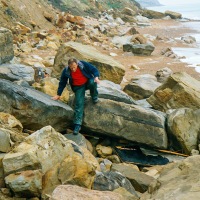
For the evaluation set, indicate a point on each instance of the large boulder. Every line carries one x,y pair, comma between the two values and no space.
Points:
112,91
69,192
42,151
139,49
15,72
139,180
178,91
142,86
173,15
184,128
6,45
108,67
109,181
178,180
34,109
126,121
26,183
152,14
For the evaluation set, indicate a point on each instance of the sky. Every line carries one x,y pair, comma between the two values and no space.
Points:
173,2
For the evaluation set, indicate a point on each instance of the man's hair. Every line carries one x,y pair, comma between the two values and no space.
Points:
72,60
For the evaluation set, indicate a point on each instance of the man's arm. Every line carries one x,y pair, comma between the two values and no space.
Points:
61,86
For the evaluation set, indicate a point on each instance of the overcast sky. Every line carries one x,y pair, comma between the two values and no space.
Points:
172,2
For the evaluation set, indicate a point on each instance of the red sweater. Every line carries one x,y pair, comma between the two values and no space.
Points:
78,78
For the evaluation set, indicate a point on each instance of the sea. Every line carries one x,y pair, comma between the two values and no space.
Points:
189,11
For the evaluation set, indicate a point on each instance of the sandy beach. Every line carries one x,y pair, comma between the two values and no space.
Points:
169,29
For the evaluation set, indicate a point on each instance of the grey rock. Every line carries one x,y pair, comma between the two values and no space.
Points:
6,45
26,183
184,128
139,180
179,91
163,74
78,139
109,181
173,15
178,180
142,87
33,108
112,91
139,49
130,122
15,72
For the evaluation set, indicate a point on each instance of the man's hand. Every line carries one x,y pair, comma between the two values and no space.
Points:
97,80
57,97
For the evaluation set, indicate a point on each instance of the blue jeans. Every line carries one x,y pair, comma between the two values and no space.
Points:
80,98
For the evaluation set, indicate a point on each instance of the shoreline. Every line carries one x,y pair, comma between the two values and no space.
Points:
170,29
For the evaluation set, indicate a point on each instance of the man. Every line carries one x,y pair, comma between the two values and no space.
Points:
82,76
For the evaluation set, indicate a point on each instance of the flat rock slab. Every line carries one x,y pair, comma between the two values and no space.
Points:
130,122
108,67
34,109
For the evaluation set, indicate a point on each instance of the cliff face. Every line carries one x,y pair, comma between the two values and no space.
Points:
92,7
148,3
41,14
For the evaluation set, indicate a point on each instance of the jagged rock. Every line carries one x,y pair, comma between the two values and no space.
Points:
5,145
49,86
52,45
33,108
184,128
130,122
79,139
119,41
26,183
103,151
105,165
139,49
142,86
141,19
179,91
151,14
22,29
15,72
41,151
10,131
138,39
163,74
112,91
25,47
188,39
10,121
173,15
178,180
129,12
139,180
109,181
69,192
108,67
6,45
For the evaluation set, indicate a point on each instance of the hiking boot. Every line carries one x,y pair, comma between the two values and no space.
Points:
77,128
95,101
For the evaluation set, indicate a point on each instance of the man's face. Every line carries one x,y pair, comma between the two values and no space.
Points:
73,66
